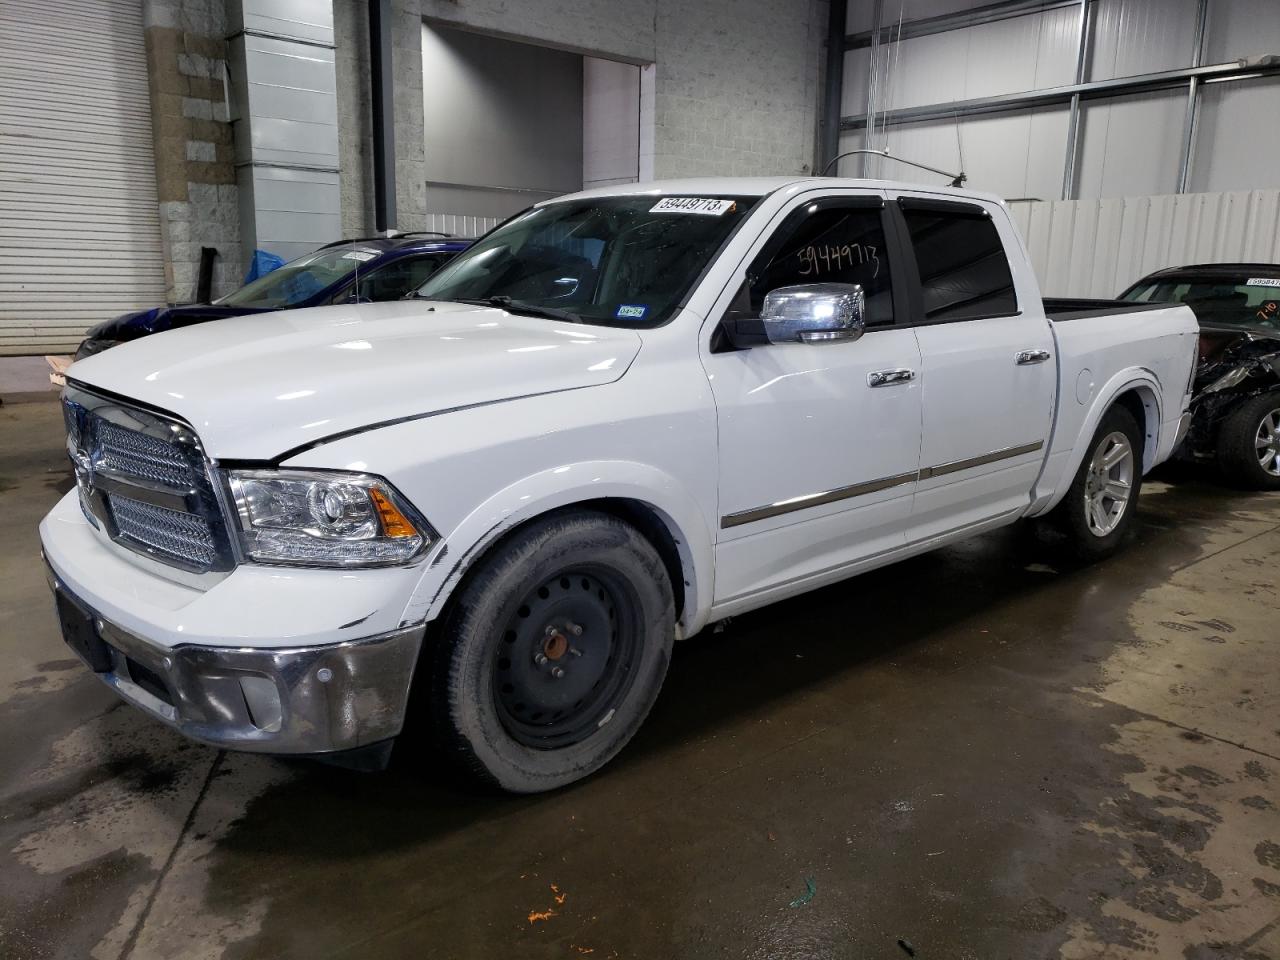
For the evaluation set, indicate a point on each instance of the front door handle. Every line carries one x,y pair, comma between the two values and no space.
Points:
883,378
1025,357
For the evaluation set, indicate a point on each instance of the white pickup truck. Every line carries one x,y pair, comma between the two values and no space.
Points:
617,418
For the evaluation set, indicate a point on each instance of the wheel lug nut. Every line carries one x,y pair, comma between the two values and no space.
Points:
557,672
540,658
575,629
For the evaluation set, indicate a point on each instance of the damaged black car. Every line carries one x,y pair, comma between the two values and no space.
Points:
1236,398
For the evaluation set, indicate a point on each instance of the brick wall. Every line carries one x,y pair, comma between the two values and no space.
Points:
195,173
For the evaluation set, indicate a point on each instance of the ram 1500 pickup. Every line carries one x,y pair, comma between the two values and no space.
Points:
617,418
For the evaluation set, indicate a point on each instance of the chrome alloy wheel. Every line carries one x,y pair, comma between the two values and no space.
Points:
1267,443
1109,484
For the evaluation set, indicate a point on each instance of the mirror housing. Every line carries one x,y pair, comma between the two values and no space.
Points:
814,313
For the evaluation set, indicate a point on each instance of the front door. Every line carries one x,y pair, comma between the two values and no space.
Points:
989,373
817,466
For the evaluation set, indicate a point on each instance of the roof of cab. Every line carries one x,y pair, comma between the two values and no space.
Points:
761,186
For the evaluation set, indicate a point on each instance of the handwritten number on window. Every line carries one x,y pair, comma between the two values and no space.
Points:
832,257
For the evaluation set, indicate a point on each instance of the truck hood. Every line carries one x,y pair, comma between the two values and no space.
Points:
256,387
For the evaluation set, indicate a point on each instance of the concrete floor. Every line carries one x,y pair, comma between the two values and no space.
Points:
973,752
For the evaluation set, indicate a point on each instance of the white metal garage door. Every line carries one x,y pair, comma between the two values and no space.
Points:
79,228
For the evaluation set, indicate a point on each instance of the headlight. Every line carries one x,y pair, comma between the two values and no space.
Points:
325,519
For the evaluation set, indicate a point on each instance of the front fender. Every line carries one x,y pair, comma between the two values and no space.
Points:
564,486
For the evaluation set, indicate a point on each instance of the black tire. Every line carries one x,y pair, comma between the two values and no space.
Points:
1072,517
1239,456
494,652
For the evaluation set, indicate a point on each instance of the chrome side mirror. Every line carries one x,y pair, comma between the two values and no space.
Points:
814,313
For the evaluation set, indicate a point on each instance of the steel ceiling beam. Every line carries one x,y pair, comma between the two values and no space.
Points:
1092,90
927,26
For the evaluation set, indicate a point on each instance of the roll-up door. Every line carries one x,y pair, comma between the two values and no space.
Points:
79,227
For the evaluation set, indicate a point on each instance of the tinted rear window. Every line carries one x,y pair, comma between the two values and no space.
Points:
964,271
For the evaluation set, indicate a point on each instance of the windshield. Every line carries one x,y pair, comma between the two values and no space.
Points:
300,279
1250,302
619,261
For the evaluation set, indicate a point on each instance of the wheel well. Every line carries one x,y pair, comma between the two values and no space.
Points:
635,512
1141,403
654,529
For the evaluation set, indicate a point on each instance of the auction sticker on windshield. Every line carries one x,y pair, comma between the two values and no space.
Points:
702,205
364,256
1263,282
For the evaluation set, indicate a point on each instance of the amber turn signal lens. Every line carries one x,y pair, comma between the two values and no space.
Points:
394,523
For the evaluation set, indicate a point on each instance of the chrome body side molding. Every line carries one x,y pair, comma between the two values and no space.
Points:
872,486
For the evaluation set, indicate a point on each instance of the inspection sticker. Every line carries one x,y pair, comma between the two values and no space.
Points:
701,205
1263,282
631,311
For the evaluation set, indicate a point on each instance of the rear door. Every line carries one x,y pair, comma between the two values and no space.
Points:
989,375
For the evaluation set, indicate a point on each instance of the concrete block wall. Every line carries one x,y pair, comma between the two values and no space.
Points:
195,171
355,115
735,81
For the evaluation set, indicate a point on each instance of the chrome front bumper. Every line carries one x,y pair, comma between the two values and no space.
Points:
291,700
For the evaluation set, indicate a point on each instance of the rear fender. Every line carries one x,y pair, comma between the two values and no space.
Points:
1147,386
565,486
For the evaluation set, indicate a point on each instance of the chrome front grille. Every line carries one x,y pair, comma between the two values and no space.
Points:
145,482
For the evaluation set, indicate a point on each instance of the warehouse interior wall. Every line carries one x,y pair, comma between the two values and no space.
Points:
1128,145
611,93
735,82
502,123
1097,248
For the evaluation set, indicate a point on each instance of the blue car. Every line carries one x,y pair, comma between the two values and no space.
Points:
349,271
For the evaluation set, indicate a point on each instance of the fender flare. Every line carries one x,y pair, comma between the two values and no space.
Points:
564,486
1147,384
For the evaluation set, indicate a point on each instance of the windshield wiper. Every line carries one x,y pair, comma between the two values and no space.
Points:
527,309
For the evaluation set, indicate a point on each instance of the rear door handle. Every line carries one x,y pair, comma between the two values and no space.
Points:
883,378
1025,357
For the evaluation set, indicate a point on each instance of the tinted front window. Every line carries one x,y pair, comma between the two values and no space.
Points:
301,279
830,245
1217,301
624,261
964,271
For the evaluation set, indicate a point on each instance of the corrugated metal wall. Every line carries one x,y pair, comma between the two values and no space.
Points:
1096,248
1128,145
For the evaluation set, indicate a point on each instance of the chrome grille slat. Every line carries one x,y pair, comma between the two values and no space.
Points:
167,532
138,455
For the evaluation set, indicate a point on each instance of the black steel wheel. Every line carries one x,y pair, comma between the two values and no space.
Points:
552,651
566,658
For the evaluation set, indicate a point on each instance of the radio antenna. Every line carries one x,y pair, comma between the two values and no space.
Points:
957,179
